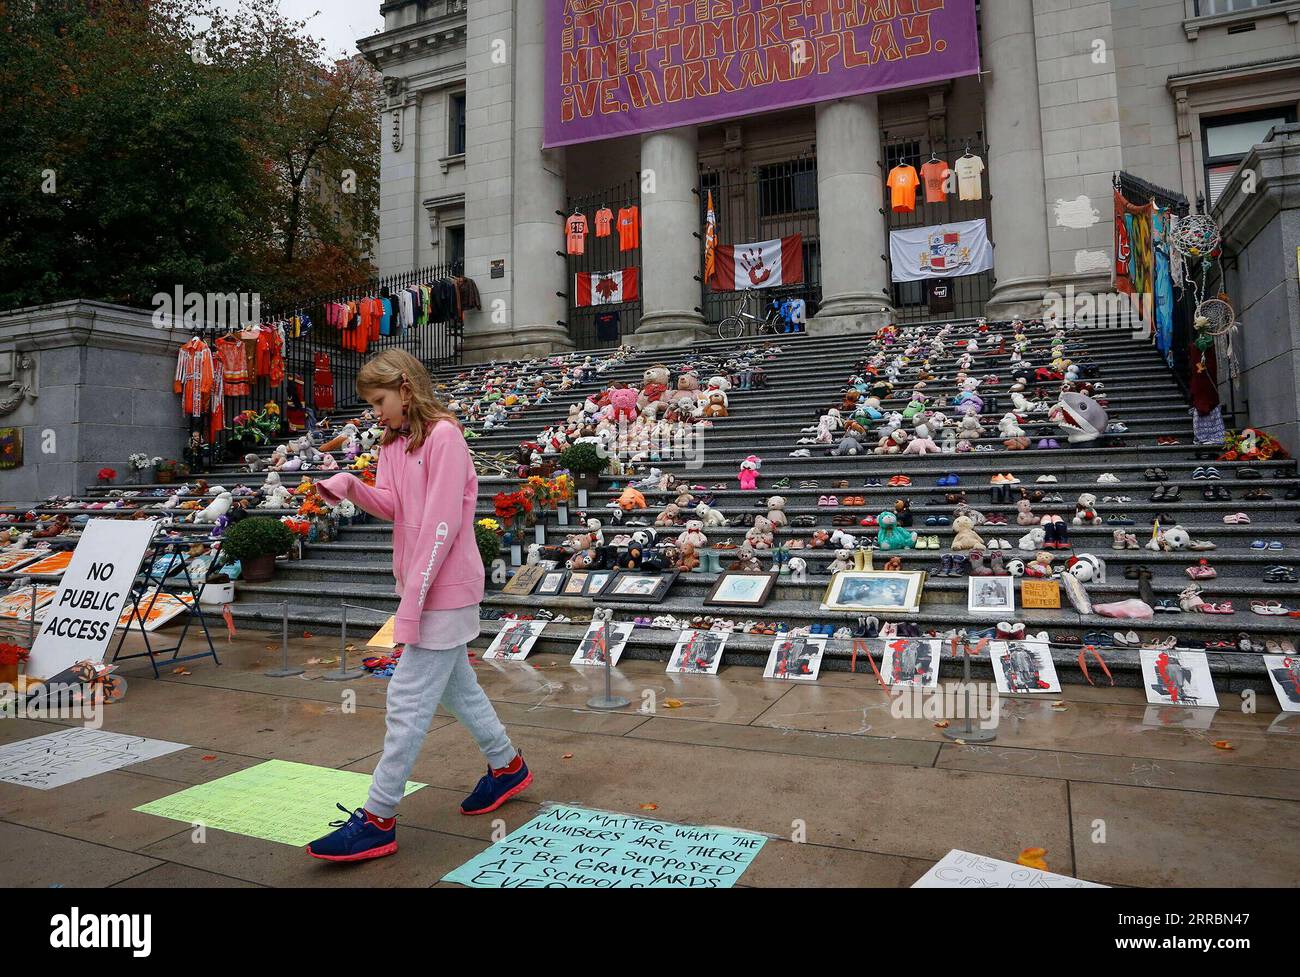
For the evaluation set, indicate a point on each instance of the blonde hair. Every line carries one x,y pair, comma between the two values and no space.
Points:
396,369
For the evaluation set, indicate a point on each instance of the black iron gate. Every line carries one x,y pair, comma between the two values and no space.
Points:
970,293
759,203
603,254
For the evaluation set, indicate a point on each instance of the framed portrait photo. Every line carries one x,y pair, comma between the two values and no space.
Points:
552,582
597,581
991,595
741,589
634,585
879,591
576,583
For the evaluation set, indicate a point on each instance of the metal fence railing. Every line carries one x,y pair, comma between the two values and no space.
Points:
603,253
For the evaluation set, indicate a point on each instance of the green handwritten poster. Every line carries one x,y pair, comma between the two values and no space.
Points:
292,803
576,848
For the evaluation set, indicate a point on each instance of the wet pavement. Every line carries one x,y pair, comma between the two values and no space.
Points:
1115,790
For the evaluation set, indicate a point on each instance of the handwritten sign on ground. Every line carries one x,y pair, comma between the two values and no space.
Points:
575,848
69,755
963,870
292,803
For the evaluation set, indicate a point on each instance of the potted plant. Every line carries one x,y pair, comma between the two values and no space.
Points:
170,470
487,534
140,463
256,542
585,462
10,657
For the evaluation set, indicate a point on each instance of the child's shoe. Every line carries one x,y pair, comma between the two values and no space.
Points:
360,837
498,786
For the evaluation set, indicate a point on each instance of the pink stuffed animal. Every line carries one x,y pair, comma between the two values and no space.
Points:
921,446
623,400
748,474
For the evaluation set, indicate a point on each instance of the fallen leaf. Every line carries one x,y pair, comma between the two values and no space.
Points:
210,756
672,703
567,756
649,807
1222,745
1033,858
306,634
959,742
181,671
941,724
1060,707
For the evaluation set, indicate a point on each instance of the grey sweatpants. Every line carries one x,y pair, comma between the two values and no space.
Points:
423,678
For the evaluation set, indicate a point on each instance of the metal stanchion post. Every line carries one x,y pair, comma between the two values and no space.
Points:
31,621
968,733
608,700
343,673
285,671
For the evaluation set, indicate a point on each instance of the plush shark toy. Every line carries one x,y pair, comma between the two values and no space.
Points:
1080,418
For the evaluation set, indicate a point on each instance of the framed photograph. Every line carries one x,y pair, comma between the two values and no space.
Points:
991,595
552,583
603,639
1023,666
796,659
879,591
514,641
698,652
633,585
741,589
576,583
524,580
597,581
908,661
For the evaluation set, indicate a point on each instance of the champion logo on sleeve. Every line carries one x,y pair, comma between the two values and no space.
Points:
440,537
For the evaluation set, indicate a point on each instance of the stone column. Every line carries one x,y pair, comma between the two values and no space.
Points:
1015,160
670,218
538,193
851,229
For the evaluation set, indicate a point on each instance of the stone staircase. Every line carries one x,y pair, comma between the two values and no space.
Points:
807,376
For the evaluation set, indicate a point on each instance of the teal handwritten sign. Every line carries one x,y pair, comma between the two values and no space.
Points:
577,848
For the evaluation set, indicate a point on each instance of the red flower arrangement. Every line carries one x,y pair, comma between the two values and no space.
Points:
12,655
107,474
299,527
1251,445
511,506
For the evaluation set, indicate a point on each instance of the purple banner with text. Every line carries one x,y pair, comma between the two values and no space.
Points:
618,67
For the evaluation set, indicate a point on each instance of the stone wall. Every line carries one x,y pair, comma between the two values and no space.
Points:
101,376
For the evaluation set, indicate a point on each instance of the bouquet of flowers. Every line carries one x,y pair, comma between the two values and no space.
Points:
142,462
299,527
487,534
1251,444
106,475
257,427
513,507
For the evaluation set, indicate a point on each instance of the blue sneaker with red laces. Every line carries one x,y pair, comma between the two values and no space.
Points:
360,837
498,786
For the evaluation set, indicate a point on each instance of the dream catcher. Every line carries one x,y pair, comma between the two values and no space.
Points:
1196,239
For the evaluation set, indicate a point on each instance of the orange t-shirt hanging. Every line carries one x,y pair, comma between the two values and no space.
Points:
629,228
604,219
935,174
902,183
575,228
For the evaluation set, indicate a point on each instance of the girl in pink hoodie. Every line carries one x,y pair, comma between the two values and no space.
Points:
426,486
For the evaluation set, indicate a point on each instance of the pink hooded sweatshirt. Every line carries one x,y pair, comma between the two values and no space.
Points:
429,496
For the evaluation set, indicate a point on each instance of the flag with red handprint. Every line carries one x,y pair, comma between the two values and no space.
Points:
764,264
605,287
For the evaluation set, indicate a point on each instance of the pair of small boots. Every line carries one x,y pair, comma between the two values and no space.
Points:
1056,534
709,561
862,559
987,566
953,565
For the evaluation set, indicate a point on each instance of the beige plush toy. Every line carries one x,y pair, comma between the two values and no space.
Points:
776,511
965,537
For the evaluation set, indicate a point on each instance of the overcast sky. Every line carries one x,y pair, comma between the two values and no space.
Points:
341,23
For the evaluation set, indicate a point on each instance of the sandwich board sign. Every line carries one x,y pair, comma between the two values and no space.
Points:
83,615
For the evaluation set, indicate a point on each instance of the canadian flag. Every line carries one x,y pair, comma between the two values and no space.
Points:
761,265
605,287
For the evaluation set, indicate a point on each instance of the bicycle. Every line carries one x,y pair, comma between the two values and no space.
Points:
743,320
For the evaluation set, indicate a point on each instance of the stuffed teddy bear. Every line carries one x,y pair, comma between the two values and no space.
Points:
748,474
1040,565
623,400
776,511
716,406
1009,426
709,516
693,534
671,515
760,535
820,538
654,385
892,443
843,540
1032,540
964,535
1025,514
1087,568
848,446
890,536
1084,512
843,561
969,429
